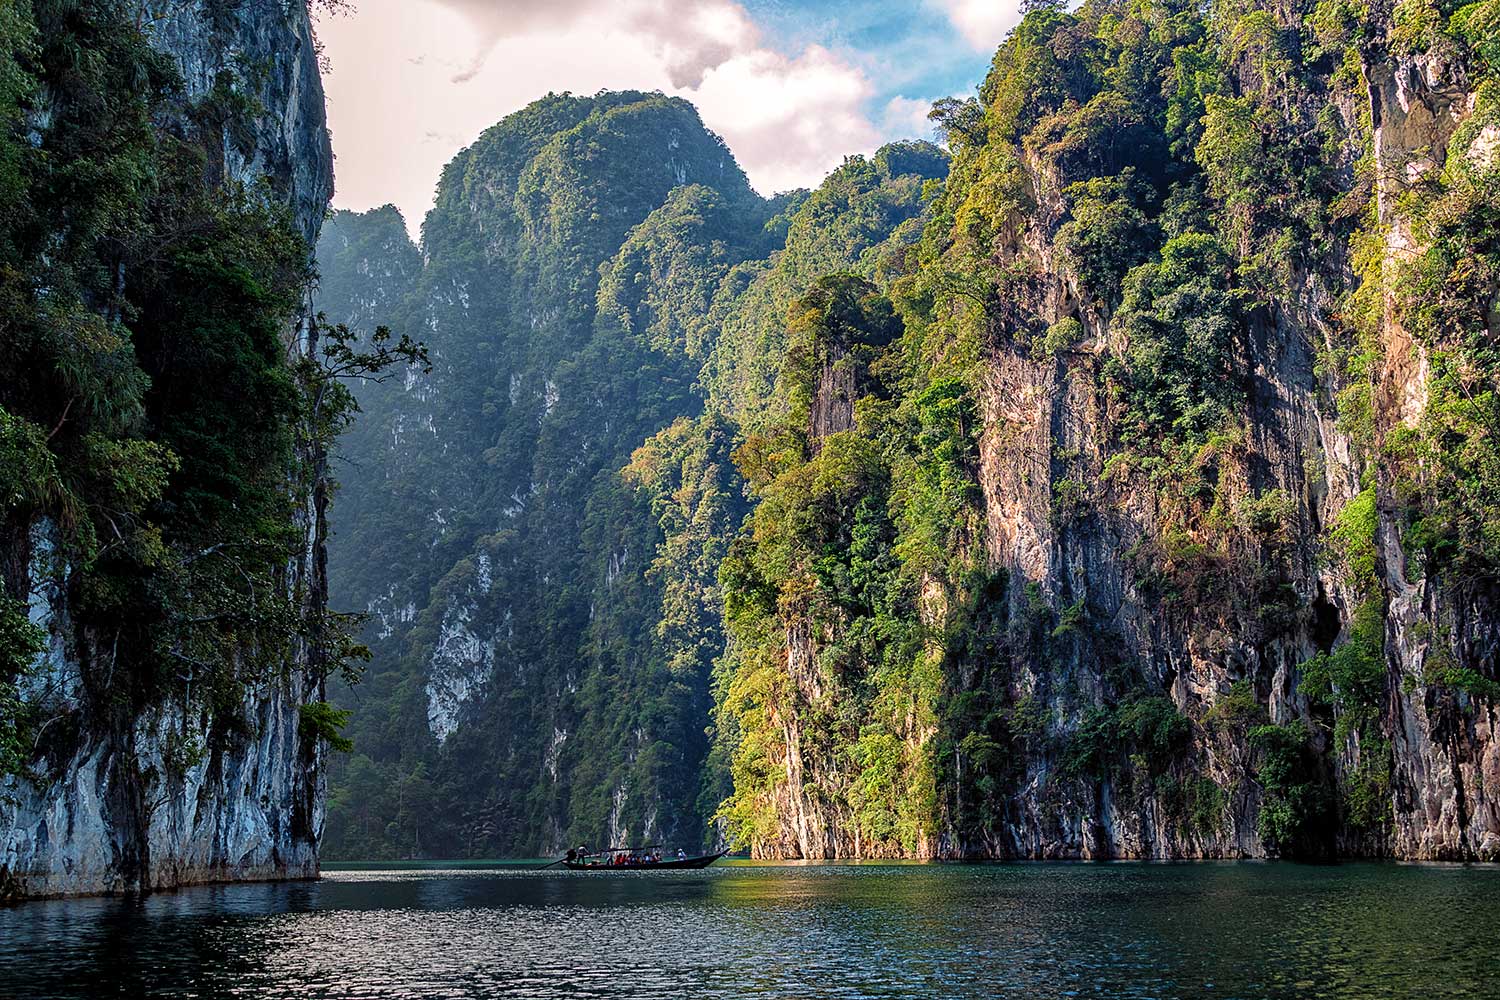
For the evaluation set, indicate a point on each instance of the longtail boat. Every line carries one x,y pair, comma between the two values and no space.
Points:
629,859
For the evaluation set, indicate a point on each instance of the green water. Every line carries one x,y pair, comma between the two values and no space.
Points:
741,929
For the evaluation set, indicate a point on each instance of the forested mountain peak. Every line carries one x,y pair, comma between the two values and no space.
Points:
579,266
548,162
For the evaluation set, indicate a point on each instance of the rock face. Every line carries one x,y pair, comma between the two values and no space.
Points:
288,145
1447,758
125,812
1317,680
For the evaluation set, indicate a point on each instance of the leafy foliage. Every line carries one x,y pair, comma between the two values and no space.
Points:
1295,815
1179,317
20,641
1352,677
319,720
159,434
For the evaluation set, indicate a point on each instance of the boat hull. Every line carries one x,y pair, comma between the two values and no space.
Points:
672,864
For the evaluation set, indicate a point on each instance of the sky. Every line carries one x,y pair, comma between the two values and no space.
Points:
792,87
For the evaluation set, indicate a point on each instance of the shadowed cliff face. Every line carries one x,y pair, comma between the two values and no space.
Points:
286,145
182,788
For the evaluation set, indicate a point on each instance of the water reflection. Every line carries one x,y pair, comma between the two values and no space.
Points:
739,930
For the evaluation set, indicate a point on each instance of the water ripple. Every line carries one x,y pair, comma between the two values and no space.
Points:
1353,932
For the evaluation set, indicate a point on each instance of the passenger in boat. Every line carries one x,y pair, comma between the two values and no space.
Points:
681,854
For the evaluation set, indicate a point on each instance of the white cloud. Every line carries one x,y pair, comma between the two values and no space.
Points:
907,116
690,37
983,23
413,81
787,120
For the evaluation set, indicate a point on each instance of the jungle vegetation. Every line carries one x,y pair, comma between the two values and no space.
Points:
692,458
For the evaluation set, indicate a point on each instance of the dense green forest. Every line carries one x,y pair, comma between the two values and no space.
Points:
148,421
524,615
1124,486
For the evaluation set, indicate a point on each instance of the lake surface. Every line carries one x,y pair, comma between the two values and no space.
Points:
743,929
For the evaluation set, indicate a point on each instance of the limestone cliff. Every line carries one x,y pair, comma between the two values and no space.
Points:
1135,639
219,780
